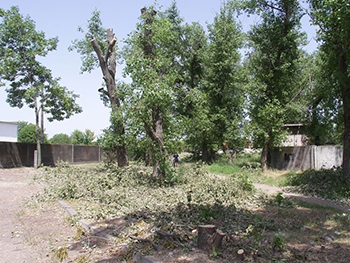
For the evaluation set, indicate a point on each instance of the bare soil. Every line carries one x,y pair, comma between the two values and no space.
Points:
30,231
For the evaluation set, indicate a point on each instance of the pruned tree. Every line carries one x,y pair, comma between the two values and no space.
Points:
98,49
149,60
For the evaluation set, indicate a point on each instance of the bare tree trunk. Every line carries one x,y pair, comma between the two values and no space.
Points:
156,133
42,137
108,66
209,237
343,68
205,154
264,155
37,132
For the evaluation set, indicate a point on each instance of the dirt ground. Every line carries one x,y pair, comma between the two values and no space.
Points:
29,232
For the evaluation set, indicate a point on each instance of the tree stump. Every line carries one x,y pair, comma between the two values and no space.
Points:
240,254
209,237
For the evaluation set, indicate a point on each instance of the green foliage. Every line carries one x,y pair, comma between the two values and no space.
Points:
278,242
95,30
83,138
61,138
274,65
242,162
20,43
27,134
108,189
334,36
149,58
226,169
326,183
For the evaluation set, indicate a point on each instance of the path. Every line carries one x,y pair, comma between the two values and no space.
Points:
273,190
14,187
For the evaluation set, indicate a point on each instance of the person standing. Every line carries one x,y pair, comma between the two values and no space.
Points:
176,160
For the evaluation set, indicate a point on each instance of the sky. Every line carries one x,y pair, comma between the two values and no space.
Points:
62,19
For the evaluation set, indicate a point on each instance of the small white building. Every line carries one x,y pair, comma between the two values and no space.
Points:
8,131
296,135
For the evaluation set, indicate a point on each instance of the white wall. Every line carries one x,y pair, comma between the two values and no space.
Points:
8,131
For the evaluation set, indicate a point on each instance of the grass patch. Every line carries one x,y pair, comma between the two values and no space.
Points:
224,169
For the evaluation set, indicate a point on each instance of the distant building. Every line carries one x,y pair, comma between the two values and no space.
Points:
8,131
296,137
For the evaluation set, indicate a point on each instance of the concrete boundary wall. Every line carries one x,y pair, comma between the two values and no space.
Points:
22,154
307,157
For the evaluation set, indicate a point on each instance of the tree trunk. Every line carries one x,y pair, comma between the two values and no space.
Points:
264,155
205,154
37,133
42,137
156,133
343,68
108,66
209,237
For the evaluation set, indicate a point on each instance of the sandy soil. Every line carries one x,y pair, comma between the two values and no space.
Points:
29,232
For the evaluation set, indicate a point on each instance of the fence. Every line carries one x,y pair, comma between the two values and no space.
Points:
22,154
306,157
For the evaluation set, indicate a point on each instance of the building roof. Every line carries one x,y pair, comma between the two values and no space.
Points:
10,122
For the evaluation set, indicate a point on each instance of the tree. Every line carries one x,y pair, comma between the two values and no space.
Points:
97,52
274,69
61,138
149,62
28,80
224,81
323,115
27,133
332,18
83,138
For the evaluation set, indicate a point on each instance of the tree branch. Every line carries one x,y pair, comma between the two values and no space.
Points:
99,54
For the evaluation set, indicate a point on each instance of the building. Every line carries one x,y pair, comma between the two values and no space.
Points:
296,137
8,131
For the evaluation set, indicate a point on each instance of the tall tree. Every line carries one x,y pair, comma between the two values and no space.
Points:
274,63
332,18
190,103
98,49
149,60
224,81
28,80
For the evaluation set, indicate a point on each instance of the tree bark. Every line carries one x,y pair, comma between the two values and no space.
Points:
345,86
264,155
37,133
205,154
108,68
209,237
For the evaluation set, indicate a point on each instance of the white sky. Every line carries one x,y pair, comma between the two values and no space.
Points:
62,18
